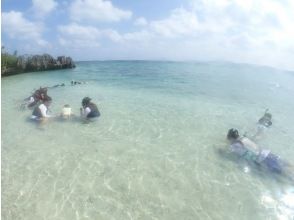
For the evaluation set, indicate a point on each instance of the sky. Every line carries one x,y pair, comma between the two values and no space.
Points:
244,31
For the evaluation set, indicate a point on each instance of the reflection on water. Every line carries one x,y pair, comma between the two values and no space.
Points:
282,205
158,149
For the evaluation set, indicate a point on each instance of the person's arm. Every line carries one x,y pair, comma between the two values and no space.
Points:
251,145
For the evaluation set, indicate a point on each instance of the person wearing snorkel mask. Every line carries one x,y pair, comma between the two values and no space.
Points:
266,119
264,123
250,151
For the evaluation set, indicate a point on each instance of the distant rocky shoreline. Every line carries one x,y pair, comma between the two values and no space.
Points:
33,63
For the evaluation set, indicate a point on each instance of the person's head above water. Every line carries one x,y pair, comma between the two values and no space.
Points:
86,101
233,134
42,90
47,101
266,119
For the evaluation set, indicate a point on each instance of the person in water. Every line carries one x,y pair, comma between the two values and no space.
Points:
89,109
266,119
250,151
40,112
57,85
75,83
263,124
66,112
38,96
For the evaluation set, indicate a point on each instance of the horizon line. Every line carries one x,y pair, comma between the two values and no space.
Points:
186,61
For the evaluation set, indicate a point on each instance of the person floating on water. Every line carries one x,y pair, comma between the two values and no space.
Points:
75,82
89,109
263,124
40,112
57,85
250,151
266,119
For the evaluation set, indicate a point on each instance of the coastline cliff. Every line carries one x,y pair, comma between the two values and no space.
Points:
12,64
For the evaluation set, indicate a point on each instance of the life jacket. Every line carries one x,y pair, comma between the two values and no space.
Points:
94,111
37,111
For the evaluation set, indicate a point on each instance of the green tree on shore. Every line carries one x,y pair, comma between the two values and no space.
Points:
8,60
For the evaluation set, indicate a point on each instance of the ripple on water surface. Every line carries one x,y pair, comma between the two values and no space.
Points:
155,151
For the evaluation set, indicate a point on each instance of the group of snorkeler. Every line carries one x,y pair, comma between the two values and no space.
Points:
242,146
40,102
72,83
251,152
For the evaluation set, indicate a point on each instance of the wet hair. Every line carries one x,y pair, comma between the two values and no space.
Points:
47,99
233,134
43,90
86,101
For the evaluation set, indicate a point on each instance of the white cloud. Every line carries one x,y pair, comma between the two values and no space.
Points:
139,36
254,31
262,19
79,32
77,36
43,7
97,11
140,22
81,36
17,27
180,22
112,35
259,22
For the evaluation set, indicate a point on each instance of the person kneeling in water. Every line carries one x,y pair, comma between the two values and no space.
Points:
250,151
40,112
89,109
66,112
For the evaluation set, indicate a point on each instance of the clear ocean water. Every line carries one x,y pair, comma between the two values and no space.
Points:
156,150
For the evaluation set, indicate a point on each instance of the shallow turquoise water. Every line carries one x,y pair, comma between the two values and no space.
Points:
153,153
